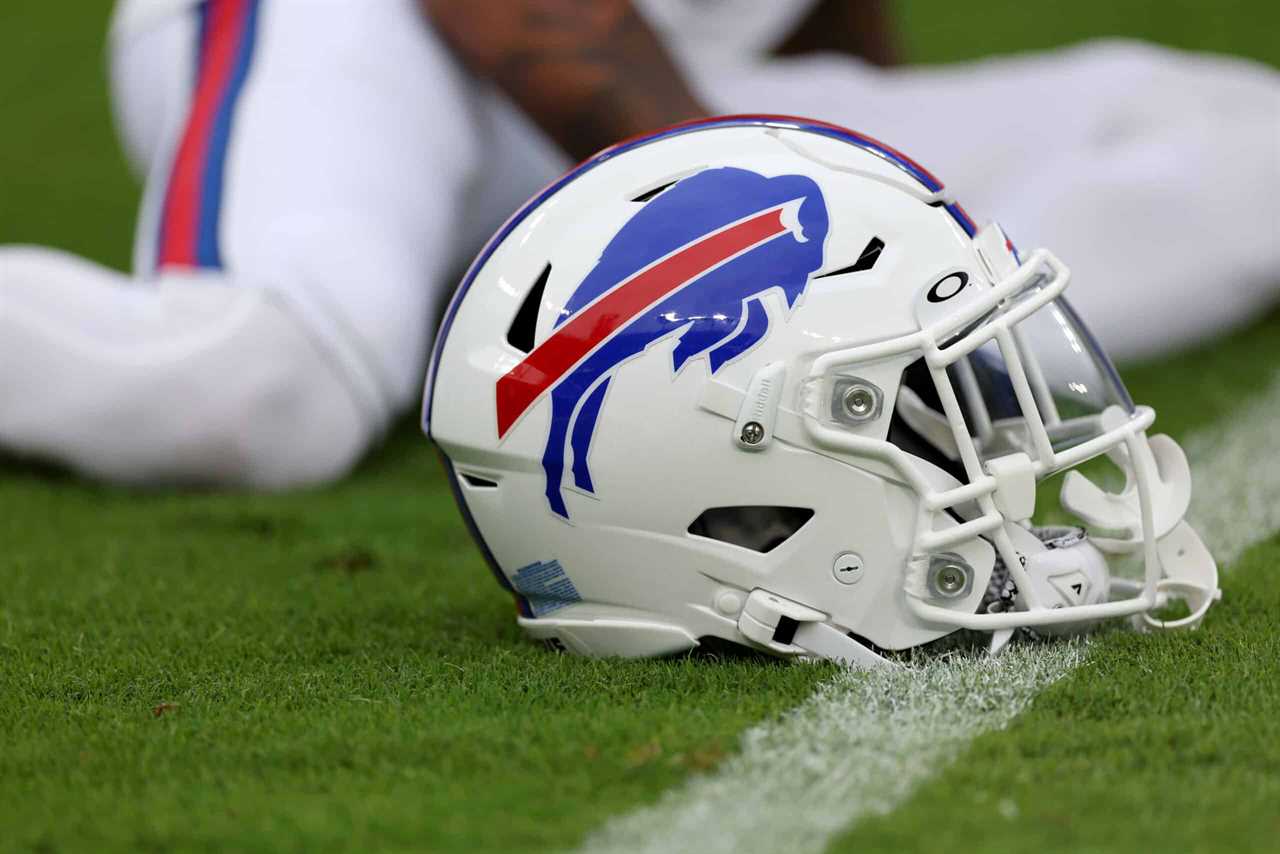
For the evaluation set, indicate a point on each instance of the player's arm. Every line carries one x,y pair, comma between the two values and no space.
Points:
588,72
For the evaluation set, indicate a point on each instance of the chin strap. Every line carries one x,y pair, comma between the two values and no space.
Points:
1191,576
1189,572
789,628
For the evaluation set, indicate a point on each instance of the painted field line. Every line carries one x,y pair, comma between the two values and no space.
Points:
858,746
864,741
1235,498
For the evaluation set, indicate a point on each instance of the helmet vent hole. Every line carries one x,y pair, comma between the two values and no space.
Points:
649,194
477,482
870,255
761,529
525,324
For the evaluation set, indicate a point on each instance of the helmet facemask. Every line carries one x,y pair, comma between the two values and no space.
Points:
1004,391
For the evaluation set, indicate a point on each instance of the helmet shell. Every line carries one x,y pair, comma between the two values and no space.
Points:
584,454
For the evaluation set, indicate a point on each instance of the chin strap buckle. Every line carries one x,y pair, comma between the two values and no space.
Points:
789,628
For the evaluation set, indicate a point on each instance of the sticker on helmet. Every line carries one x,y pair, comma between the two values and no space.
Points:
692,264
545,587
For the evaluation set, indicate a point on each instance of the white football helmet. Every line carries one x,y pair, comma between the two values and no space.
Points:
759,379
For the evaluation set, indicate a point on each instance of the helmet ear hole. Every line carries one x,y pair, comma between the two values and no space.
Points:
525,324
761,529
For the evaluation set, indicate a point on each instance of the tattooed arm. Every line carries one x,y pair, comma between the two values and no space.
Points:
588,72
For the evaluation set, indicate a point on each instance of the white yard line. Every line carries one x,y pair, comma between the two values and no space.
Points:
1235,501
858,746
864,741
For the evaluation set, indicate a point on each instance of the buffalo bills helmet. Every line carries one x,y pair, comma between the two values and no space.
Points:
760,379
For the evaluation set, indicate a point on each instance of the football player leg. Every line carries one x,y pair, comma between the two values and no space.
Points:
188,379
296,225
1153,172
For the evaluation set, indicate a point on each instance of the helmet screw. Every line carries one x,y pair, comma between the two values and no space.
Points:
752,433
949,577
859,401
847,568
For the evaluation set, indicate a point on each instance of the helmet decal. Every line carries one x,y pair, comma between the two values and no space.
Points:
693,264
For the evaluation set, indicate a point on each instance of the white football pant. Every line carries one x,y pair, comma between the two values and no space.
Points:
308,168
1153,173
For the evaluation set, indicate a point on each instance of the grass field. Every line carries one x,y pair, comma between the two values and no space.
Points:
335,670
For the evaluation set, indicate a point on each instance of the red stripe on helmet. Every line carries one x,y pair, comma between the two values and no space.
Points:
582,333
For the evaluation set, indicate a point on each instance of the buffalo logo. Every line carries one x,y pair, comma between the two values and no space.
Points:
692,264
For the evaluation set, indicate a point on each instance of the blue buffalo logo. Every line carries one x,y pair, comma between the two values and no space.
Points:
692,264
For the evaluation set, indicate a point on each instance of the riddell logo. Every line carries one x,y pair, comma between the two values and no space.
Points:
760,406
692,264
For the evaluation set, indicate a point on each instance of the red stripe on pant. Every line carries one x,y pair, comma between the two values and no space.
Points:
223,34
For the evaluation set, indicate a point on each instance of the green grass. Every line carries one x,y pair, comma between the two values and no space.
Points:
1168,742
63,179
334,669
315,671
943,31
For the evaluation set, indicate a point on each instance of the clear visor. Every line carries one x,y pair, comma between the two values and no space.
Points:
1072,382
1071,378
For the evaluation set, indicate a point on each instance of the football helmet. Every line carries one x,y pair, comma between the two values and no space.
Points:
759,378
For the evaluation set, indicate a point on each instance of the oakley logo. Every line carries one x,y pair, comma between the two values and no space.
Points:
948,286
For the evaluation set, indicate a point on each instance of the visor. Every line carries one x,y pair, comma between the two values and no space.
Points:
1074,384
